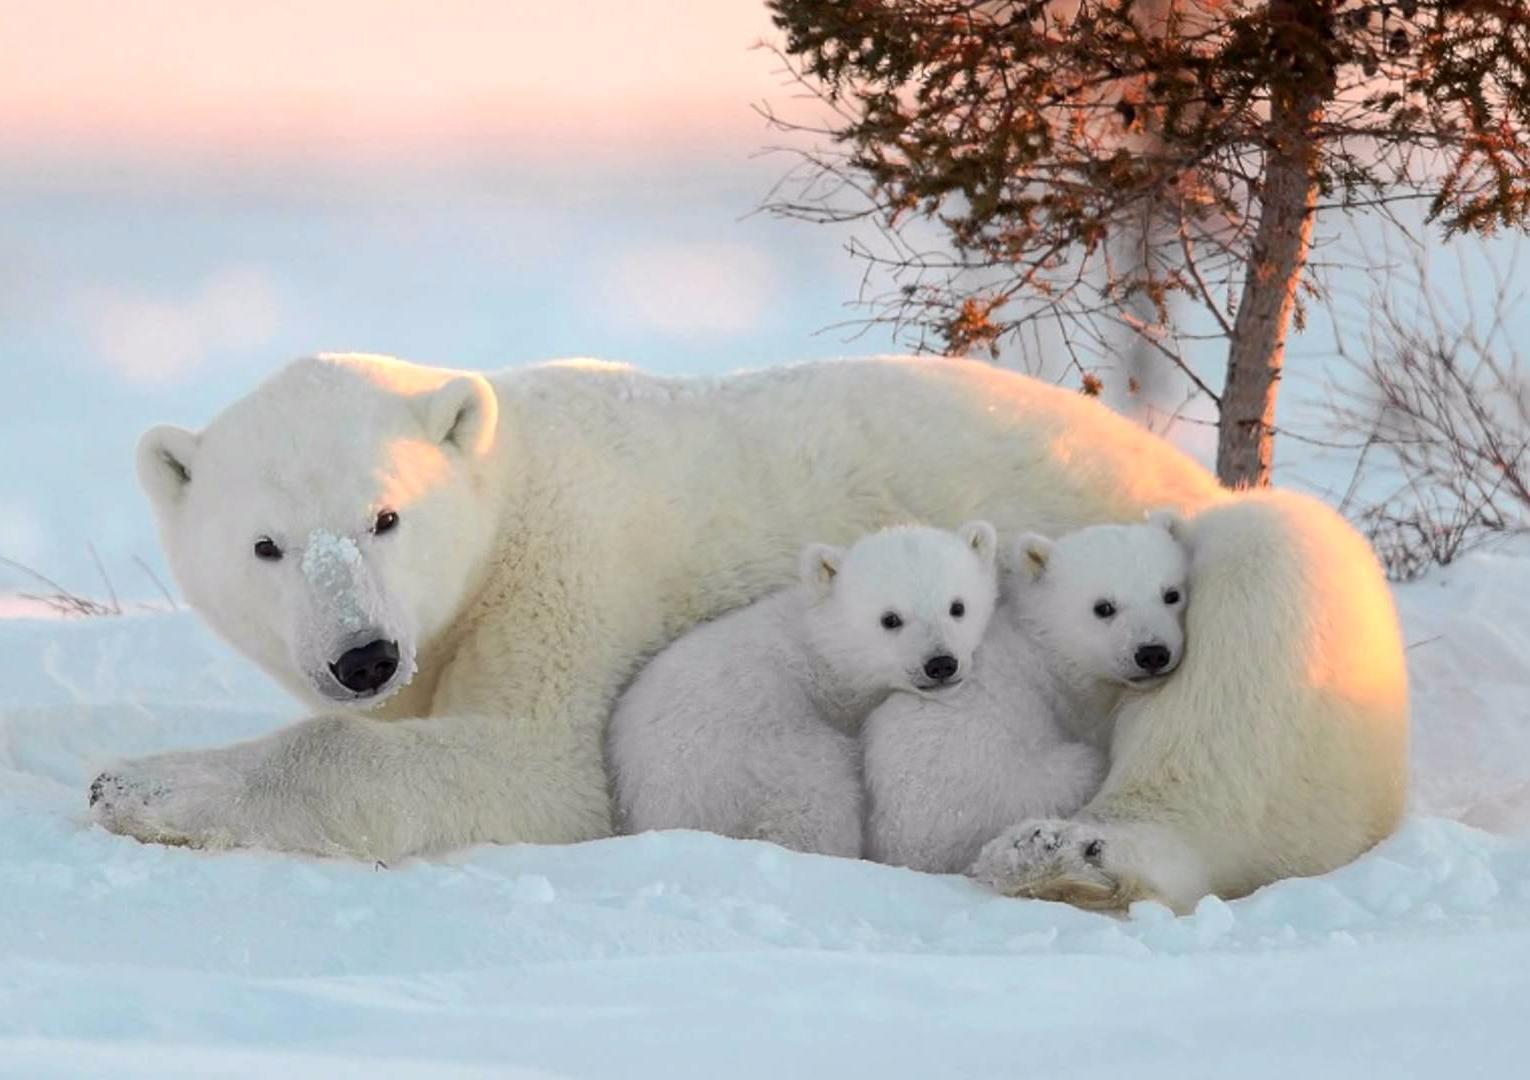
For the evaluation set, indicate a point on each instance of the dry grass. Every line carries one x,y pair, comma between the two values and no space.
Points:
1443,408
66,602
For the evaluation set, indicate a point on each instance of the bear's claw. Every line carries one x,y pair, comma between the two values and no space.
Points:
1049,860
110,789
168,799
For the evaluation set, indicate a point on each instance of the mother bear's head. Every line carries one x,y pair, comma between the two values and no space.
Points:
333,522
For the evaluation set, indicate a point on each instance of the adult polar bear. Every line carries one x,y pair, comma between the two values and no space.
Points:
556,525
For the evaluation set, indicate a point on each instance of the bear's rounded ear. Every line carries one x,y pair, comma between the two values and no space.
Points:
462,414
1032,551
981,538
820,566
166,458
1172,522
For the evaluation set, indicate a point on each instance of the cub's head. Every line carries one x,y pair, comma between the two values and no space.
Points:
903,608
334,521
1109,600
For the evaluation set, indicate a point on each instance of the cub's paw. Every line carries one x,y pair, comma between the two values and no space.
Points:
1051,860
168,799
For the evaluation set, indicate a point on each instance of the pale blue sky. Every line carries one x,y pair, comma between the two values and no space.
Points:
168,235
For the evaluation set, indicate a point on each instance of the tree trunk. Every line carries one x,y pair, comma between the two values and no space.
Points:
1287,204
1143,384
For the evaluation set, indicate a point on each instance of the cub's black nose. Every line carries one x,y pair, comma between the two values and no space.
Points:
1152,658
940,668
368,667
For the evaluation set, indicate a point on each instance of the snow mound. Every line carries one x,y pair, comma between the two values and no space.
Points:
1468,630
686,954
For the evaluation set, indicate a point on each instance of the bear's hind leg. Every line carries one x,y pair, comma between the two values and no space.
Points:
1092,865
1278,748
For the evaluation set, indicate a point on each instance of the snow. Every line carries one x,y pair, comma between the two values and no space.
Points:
688,955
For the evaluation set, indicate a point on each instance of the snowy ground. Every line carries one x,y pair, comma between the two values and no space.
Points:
688,955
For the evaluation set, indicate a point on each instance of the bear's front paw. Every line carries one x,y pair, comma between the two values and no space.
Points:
1050,860
113,789
169,799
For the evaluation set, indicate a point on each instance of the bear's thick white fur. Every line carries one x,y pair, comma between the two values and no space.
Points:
1287,719
747,725
559,524
944,775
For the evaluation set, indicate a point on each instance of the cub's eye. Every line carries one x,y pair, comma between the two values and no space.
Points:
891,620
384,523
265,548
958,609
1104,609
1171,596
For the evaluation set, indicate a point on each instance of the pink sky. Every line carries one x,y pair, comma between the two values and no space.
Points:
376,76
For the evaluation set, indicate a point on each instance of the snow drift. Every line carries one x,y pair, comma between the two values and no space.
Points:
682,954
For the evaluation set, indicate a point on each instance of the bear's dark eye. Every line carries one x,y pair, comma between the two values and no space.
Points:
1171,596
265,548
1104,609
891,620
958,609
385,522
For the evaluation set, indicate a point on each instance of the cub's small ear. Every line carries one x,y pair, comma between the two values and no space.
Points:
982,539
1032,552
820,566
166,460
1172,522
462,414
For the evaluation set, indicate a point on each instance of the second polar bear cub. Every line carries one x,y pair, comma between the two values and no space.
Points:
747,726
1083,620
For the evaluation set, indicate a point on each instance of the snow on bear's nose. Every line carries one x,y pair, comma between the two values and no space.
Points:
352,642
332,566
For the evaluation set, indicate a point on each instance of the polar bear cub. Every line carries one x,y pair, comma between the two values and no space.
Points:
747,726
1084,619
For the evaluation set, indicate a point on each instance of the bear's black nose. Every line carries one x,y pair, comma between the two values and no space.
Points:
1152,658
364,669
940,668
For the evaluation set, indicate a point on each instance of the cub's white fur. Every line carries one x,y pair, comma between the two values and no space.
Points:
746,725
945,775
558,524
